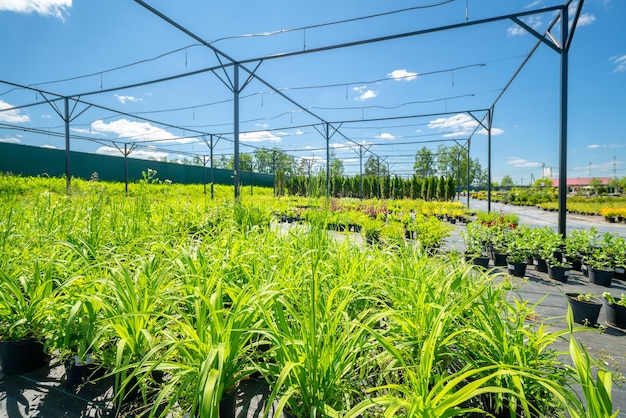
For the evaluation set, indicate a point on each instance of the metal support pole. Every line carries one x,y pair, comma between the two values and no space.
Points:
361,170
66,120
468,172
126,168
251,181
212,170
458,174
327,162
378,175
236,129
274,171
489,161
563,126
204,174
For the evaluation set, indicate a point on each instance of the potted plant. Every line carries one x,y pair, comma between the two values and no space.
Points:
393,233
498,240
600,268
577,245
512,220
615,309
547,246
72,334
23,302
474,238
617,251
558,270
518,253
371,230
585,308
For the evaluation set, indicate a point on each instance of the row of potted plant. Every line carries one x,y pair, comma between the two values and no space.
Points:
586,308
181,299
601,256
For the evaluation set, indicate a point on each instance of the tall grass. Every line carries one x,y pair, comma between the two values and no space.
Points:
167,283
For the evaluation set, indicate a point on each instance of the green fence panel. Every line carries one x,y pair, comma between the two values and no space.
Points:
35,161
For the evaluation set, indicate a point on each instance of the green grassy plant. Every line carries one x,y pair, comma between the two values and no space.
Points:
166,283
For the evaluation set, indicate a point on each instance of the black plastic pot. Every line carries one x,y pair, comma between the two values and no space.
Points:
481,262
22,356
615,314
600,277
575,262
540,264
585,313
77,373
517,269
132,392
558,273
619,273
499,259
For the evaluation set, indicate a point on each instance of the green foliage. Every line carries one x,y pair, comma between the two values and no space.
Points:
210,293
23,300
597,393
621,301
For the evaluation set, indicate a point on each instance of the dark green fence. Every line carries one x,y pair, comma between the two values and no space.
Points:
35,161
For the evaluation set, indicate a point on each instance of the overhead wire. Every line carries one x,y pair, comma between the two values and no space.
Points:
261,34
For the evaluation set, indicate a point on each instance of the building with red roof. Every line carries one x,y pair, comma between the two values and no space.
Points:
581,182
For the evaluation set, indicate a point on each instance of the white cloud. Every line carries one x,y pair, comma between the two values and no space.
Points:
296,132
11,116
49,146
124,99
585,19
46,116
258,136
87,131
596,146
620,63
534,22
368,94
521,163
10,140
56,8
402,75
385,135
533,4
364,94
139,131
494,131
460,125
141,154
263,125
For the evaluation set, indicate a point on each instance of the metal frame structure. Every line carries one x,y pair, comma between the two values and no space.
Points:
233,82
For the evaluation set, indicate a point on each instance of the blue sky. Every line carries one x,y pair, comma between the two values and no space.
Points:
442,74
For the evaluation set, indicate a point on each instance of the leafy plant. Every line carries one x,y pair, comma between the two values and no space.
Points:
621,301
585,297
474,236
371,230
597,393
23,301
